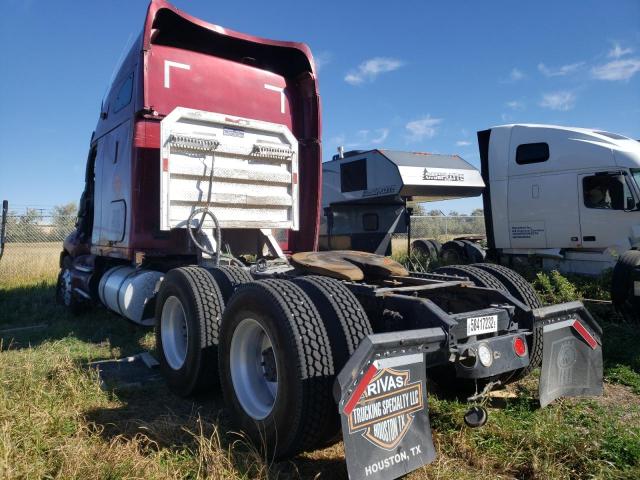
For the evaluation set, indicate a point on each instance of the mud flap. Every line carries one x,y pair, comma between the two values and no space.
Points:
572,354
382,399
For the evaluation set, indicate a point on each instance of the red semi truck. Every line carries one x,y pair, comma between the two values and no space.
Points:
200,217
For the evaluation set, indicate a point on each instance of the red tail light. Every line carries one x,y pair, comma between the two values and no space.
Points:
519,346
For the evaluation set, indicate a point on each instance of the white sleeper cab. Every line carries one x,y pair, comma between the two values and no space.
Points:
567,196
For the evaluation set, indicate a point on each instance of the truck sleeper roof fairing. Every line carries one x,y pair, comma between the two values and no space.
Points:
570,148
181,61
370,176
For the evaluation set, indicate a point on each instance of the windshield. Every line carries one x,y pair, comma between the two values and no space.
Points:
635,173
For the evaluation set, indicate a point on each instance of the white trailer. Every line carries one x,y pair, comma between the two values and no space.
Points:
569,197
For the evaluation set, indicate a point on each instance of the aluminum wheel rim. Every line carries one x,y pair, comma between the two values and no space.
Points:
252,379
66,287
174,333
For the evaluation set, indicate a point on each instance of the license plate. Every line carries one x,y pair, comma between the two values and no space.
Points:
480,325
636,289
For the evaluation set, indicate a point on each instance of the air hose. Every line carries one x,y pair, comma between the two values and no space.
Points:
207,211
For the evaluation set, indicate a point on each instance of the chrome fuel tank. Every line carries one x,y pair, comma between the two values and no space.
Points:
127,291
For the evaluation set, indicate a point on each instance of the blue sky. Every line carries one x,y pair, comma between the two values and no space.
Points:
412,75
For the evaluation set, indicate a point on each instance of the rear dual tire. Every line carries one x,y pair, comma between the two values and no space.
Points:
275,350
626,303
282,397
312,324
346,324
465,252
478,276
189,308
522,290
229,278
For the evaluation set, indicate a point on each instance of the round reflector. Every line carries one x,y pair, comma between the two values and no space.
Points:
519,346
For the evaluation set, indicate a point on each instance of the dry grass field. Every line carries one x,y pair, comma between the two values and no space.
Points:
57,422
29,262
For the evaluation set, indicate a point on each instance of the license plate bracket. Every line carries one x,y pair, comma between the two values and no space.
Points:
481,325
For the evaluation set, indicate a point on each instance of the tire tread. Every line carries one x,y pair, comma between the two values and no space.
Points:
352,317
209,304
314,361
229,278
205,298
621,286
478,276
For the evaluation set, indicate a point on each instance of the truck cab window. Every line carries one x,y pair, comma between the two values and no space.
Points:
606,192
532,153
124,94
85,209
635,173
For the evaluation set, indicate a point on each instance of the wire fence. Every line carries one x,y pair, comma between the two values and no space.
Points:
34,240
441,228
33,246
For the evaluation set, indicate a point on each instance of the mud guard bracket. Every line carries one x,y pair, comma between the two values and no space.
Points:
382,399
572,355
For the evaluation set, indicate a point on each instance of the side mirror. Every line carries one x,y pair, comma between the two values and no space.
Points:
631,203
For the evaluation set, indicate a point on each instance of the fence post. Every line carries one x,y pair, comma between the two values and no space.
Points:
408,212
3,226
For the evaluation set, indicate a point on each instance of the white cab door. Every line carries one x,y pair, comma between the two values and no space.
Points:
604,223
543,211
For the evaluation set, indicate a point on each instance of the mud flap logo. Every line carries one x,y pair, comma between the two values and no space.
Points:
567,356
386,409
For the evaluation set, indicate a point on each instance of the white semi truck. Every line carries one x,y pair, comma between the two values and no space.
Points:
567,198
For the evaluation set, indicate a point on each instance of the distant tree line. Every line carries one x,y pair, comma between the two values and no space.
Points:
420,210
445,225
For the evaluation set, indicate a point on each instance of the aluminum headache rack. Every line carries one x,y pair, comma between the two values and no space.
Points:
255,170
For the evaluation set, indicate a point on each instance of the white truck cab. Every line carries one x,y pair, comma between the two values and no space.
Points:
569,196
